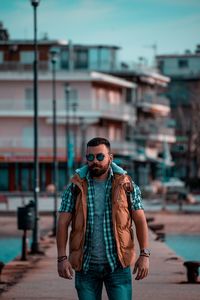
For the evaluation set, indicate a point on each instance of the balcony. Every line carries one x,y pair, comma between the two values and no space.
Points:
155,104
123,148
87,108
154,131
20,67
13,147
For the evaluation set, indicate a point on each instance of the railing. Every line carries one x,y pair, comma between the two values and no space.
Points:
104,66
27,142
154,99
153,127
99,108
12,144
21,67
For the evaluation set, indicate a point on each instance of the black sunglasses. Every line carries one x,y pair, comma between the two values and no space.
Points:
99,157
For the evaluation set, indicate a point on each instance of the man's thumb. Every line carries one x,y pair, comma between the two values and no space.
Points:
135,269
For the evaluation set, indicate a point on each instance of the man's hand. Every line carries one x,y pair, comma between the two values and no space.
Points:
65,269
141,267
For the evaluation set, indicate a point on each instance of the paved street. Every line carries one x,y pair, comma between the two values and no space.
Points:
165,281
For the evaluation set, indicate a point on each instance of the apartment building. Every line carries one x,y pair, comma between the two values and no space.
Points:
183,92
89,103
154,132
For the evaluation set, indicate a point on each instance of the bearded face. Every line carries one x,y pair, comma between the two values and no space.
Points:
97,170
99,160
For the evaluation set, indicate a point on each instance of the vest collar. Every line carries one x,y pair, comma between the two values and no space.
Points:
83,172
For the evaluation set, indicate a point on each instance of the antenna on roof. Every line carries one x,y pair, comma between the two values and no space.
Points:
154,47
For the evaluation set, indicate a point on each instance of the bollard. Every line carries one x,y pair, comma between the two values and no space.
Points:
24,246
1,268
160,236
25,221
156,227
192,270
150,219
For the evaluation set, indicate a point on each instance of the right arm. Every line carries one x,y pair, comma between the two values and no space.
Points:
64,219
64,267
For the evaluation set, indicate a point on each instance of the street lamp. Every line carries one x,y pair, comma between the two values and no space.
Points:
74,108
67,93
35,243
83,129
54,53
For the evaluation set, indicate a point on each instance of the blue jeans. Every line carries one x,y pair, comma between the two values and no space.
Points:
118,284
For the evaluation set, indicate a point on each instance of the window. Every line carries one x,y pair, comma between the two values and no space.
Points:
26,57
27,137
64,59
1,57
112,132
73,98
183,63
4,182
161,65
27,173
101,58
128,95
29,98
81,59
93,58
105,59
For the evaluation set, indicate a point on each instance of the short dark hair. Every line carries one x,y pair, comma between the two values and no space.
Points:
98,141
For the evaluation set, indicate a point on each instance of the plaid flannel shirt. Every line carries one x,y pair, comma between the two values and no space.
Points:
68,204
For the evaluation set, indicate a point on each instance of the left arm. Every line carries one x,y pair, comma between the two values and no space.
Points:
139,219
138,216
142,263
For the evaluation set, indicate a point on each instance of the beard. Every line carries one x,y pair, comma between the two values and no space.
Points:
97,171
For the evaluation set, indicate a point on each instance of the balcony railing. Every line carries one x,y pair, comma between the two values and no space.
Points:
154,130
12,145
154,102
21,67
90,108
157,128
154,99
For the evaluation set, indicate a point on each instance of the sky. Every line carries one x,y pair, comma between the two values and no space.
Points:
134,25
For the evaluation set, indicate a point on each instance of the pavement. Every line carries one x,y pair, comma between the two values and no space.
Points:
39,280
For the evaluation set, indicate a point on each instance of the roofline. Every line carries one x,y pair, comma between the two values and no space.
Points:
178,55
112,79
61,42
97,46
57,42
68,76
152,74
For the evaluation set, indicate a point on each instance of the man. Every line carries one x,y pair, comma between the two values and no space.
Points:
100,202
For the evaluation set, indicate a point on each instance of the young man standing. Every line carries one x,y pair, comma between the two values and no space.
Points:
100,202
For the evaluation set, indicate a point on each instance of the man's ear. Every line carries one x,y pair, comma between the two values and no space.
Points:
111,157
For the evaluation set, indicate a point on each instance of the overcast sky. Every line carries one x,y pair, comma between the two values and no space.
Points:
135,25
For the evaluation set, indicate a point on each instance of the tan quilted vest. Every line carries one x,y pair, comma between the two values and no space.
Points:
122,225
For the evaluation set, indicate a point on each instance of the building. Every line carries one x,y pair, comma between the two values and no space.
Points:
183,92
154,132
89,103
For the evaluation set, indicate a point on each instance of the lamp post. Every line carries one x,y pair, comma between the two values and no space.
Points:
35,243
67,92
53,53
74,107
83,128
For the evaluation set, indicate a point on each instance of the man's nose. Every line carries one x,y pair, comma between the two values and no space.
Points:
95,159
